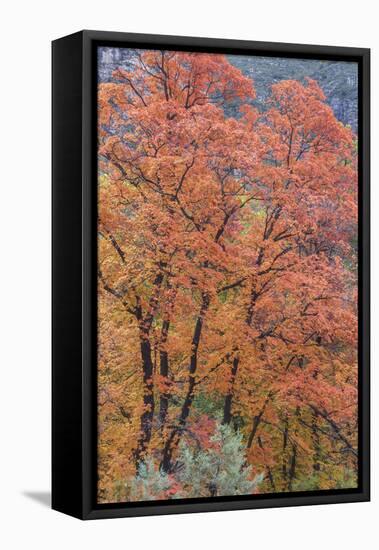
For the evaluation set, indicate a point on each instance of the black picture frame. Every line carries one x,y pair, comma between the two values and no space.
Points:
74,204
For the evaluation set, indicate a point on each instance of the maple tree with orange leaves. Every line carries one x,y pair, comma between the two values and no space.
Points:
227,282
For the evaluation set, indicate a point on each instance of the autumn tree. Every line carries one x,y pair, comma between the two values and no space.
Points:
227,273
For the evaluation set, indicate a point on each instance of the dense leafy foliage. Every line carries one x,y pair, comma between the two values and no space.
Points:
227,284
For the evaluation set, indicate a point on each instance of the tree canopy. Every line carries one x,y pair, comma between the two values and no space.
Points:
227,280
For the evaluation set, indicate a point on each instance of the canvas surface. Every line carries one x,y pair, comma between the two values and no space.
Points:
227,275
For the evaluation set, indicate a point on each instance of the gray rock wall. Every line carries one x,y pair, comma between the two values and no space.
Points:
338,80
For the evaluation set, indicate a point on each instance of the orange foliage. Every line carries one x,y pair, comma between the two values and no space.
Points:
227,272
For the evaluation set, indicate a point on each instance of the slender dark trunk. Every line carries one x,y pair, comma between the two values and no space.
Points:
293,458
146,421
316,445
227,417
292,467
145,323
257,420
250,310
284,451
336,428
164,369
229,396
271,478
268,469
176,434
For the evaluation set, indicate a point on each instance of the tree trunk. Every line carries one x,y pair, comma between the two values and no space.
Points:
292,467
229,396
316,445
293,458
257,420
176,434
146,421
227,417
284,451
268,469
164,369
145,323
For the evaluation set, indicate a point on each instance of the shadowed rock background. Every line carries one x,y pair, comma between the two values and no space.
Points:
338,79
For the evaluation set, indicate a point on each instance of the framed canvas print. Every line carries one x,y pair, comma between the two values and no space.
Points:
210,274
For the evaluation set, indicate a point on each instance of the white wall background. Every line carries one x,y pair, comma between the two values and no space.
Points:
26,31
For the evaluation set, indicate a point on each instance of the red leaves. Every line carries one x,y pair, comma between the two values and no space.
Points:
257,214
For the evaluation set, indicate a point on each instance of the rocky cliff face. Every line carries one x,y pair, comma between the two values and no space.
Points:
338,80
109,59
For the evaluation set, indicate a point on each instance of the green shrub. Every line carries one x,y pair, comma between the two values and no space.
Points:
149,484
219,470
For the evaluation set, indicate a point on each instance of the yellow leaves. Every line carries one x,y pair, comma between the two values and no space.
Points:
264,207
302,444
